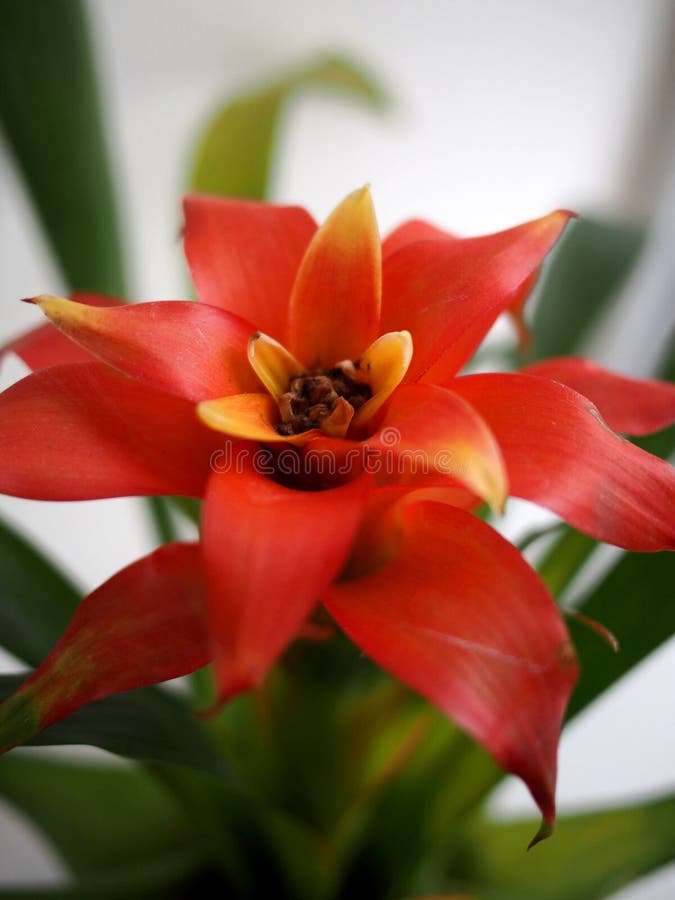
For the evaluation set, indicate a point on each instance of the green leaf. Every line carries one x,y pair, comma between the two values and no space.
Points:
591,856
96,816
50,113
416,814
234,157
592,261
36,600
565,558
189,508
169,878
635,601
160,512
146,724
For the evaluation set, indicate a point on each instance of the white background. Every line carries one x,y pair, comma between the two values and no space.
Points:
502,110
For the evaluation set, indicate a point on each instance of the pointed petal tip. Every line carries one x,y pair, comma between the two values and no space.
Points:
387,360
497,501
560,216
272,363
43,300
563,217
363,194
545,831
229,687
556,221
356,203
406,342
491,483
343,262
61,309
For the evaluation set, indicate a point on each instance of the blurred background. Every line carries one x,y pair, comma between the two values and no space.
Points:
498,112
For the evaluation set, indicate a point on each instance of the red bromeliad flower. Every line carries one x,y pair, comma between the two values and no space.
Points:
312,401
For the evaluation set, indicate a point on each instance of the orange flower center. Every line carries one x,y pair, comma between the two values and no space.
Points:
341,401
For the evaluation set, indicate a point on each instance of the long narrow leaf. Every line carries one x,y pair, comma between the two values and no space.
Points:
592,856
635,601
51,117
145,724
585,273
235,155
96,817
172,877
36,600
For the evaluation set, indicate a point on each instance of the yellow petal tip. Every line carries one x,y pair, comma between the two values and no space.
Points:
357,203
384,364
272,363
58,309
494,489
45,301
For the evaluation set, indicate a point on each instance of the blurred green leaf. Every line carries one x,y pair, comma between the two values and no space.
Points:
161,516
96,816
36,600
591,855
50,113
417,814
146,724
234,157
593,259
170,878
189,508
565,558
635,601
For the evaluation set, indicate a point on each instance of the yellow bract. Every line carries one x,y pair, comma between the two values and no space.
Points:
383,366
272,363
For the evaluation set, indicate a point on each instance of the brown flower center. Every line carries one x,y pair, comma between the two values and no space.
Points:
321,399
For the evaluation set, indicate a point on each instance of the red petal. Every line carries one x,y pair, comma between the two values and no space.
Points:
409,233
244,256
81,432
441,289
560,453
454,440
427,431
44,346
629,405
145,625
190,349
335,306
445,370
270,551
459,616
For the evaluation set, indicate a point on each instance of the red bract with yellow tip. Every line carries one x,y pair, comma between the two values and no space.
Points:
312,400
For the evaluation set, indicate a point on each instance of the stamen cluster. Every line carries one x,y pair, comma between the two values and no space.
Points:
313,398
